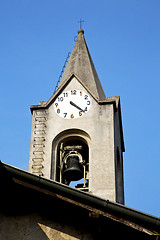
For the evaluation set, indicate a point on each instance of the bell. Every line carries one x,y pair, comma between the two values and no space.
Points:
73,171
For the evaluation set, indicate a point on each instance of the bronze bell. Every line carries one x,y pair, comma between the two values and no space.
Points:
73,170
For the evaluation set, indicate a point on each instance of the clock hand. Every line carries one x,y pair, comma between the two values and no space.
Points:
75,105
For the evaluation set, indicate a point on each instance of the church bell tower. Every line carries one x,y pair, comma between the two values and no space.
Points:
77,135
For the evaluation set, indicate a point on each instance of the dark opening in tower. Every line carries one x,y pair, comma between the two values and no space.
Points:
72,166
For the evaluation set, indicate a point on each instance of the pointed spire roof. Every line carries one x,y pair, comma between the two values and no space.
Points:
80,63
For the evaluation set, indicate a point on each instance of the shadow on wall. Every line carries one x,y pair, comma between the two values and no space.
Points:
21,227
36,227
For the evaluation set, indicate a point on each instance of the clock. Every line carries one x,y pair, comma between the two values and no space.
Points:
72,104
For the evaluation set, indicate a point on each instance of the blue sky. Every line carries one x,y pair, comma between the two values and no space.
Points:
123,37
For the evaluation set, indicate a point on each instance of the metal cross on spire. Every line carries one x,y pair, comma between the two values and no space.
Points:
80,21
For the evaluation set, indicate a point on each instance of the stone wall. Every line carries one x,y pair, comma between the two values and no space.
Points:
37,145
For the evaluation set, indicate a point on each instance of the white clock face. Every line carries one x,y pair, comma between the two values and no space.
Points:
72,104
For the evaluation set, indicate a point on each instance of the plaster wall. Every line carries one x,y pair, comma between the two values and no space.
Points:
98,123
37,227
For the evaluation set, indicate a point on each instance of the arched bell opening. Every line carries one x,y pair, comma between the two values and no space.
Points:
71,166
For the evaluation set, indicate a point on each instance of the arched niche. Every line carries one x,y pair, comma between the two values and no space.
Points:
68,137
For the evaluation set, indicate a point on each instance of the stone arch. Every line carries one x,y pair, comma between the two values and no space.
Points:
69,136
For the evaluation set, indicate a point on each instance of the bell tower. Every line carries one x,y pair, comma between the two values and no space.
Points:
77,134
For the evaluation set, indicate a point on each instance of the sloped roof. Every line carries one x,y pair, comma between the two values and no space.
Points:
20,189
80,63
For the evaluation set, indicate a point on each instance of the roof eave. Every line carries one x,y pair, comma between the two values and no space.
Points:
117,212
